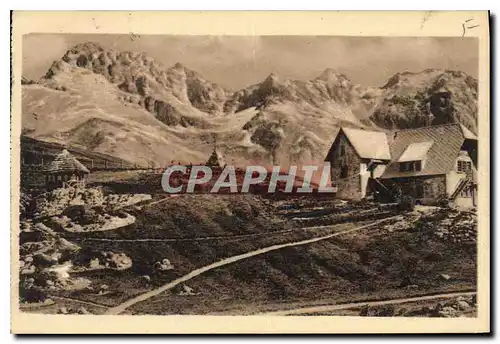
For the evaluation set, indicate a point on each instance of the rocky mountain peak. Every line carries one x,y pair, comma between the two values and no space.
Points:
271,80
331,74
178,66
429,97
87,47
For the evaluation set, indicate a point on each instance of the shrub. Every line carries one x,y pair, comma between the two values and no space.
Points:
364,311
385,311
406,203
74,211
31,295
443,202
122,214
99,210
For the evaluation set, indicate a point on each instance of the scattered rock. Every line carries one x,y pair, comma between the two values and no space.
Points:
103,289
43,260
94,263
463,305
164,265
61,271
66,246
448,312
63,310
82,310
28,271
187,291
118,261
48,301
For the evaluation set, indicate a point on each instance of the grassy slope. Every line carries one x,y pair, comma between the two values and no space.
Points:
348,268
374,263
201,215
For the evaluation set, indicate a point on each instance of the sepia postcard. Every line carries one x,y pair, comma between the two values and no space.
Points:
250,172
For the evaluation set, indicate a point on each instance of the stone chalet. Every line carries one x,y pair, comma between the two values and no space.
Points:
428,163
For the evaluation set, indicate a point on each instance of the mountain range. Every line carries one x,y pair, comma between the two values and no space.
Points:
128,105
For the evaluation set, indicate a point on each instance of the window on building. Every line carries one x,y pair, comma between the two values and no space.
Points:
344,172
410,166
342,150
464,166
418,165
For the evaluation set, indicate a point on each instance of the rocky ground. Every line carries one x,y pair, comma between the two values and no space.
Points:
462,306
47,259
444,307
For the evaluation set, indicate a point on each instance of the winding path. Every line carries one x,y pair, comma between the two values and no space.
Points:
226,261
337,307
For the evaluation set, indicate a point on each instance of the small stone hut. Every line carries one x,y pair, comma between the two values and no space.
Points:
65,170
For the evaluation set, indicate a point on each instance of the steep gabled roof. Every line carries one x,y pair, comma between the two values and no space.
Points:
467,133
65,162
368,144
440,157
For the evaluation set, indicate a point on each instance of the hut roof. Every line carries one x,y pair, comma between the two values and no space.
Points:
369,144
216,159
65,162
439,145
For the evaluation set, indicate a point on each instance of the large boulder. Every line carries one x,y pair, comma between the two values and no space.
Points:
118,261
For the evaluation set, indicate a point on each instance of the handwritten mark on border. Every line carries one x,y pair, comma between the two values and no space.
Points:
466,26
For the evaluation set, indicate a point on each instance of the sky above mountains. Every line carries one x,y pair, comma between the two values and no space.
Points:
239,61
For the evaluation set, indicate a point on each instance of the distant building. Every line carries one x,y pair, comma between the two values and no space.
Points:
65,170
428,163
